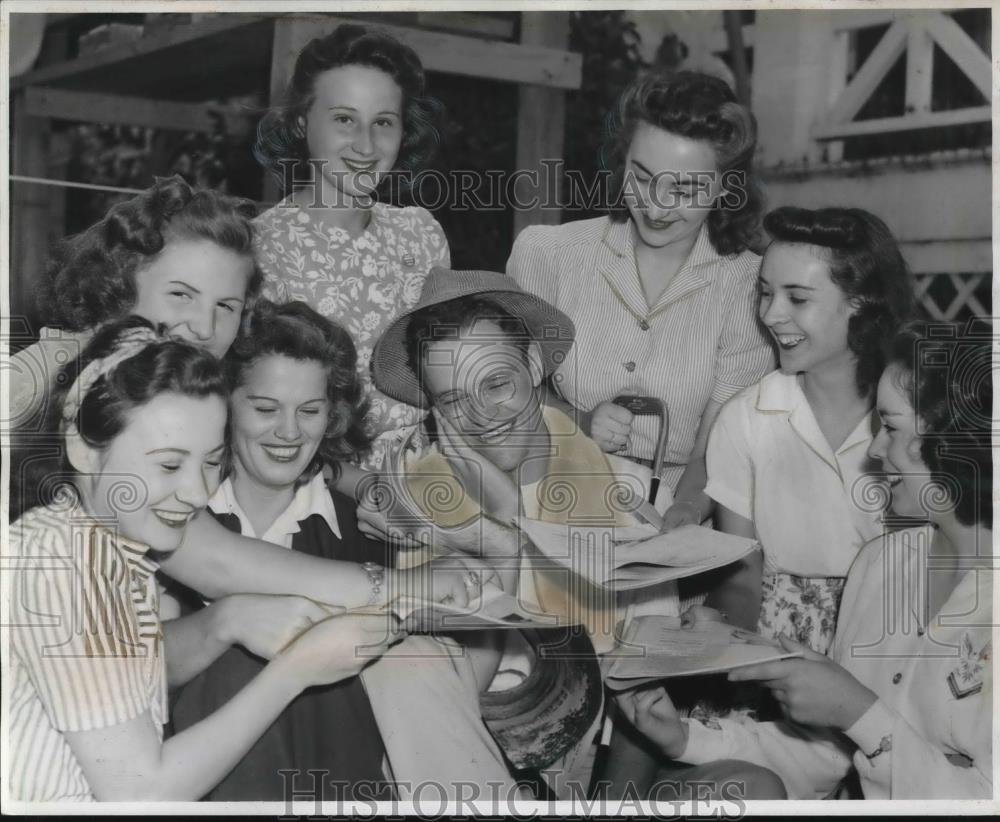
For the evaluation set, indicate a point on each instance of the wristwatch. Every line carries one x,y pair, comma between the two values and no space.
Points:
376,578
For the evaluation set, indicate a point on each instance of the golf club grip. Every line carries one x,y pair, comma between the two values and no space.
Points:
651,406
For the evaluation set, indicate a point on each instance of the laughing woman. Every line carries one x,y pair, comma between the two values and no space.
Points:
786,456
297,405
143,424
906,694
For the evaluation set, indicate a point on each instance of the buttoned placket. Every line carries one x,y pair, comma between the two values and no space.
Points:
616,264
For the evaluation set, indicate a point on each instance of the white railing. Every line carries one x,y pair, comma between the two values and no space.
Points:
962,304
916,33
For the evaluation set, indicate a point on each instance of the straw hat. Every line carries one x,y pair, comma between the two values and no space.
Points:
546,324
548,713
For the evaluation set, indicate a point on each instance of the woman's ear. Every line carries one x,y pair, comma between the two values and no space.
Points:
535,363
299,128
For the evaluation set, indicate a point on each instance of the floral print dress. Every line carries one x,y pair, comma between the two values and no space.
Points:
362,282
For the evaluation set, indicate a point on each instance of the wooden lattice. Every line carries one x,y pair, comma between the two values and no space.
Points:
963,304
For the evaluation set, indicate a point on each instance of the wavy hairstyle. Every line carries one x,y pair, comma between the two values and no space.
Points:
699,107
948,378
866,264
90,277
280,135
296,331
169,366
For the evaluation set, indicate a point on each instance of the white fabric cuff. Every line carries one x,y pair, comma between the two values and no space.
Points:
872,726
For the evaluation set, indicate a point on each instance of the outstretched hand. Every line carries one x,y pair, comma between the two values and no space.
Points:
813,690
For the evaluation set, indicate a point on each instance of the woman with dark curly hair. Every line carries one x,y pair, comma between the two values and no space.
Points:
662,289
355,112
295,403
905,695
786,457
175,255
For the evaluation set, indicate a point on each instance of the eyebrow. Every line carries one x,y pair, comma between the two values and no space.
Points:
259,397
762,281
354,108
186,285
678,176
182,451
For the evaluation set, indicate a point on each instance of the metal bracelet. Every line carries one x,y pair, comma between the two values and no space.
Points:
376,578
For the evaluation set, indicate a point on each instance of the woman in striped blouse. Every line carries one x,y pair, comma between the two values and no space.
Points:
144,431
662,291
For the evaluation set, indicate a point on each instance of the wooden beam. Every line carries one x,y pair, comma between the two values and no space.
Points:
91,107
865,18
524,62
870,74
919,66
718,40
882,125
840,59
474,23
151,43
541,122
962,49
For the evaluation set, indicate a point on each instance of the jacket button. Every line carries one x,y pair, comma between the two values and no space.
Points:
630,366
897,678
644,325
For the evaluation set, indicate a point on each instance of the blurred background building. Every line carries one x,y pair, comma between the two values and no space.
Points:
888,110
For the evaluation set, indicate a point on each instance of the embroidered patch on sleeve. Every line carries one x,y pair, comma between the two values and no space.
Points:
967,677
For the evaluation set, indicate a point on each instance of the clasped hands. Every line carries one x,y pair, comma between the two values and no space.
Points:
812,690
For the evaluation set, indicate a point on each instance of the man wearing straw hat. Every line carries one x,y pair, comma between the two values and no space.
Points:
479,352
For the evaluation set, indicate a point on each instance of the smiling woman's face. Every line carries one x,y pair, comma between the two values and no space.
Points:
671,184
897,446
160,470
355,127
197,289
279,417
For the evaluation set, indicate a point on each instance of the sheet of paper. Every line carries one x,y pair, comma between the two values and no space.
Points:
636,556
656,647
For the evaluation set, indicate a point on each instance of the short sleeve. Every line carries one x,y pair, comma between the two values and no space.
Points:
744,354
728,459
73,633
528,264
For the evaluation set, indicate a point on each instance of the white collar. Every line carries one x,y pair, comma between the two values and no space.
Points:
311,498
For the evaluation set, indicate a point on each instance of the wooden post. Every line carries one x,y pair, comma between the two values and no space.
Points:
541,120
31,228
290,35
734,36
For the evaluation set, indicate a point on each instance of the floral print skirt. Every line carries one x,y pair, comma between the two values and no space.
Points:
802,608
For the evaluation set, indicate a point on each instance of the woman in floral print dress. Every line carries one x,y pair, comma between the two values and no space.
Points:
354,113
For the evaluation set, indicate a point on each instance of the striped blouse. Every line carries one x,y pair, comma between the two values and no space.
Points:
701,341
85,647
